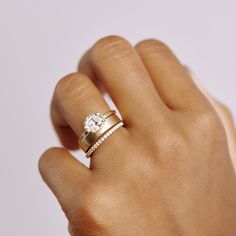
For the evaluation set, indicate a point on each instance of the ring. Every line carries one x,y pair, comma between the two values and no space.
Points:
97,128
94,122
101,140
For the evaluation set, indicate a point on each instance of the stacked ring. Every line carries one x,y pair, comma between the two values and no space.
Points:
98,127
90,125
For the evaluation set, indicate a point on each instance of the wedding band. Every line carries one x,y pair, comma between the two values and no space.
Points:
98,127
101,140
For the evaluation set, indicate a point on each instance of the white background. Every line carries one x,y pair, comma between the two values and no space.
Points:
41,41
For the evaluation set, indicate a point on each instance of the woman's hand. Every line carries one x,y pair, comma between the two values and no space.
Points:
228,123
226,119
167,172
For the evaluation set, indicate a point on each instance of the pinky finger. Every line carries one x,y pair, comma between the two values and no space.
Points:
226,118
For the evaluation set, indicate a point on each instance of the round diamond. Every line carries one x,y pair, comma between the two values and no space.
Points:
94,122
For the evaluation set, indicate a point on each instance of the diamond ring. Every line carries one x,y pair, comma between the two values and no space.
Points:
94,123
97,128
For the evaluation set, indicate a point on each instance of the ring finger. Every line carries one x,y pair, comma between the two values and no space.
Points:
119,68
76,97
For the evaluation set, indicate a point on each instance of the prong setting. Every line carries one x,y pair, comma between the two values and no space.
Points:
94,122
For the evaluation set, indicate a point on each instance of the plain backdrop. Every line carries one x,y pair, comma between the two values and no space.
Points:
41,41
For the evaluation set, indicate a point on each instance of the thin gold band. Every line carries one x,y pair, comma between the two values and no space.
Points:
91,138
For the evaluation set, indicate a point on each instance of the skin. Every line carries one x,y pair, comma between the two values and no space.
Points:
167,172
228,123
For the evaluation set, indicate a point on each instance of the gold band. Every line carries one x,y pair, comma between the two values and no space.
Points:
90,138
85,133
103,138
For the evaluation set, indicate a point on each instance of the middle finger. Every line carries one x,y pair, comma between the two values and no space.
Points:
115,62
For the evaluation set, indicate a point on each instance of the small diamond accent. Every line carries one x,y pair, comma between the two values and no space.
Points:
94,122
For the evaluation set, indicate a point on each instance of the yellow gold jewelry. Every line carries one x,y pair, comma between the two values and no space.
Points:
103,138
94,122
96,126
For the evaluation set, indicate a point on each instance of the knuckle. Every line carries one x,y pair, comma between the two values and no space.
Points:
168,142
68,83
172,143
225,110
95,198
71,84
208,121
94,204
152,46
110,45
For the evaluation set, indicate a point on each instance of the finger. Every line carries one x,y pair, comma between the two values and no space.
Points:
85,68
67,136
228,122
65,176
117,65
226,118
172,82
76,97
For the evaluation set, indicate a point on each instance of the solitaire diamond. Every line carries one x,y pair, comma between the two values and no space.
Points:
94,122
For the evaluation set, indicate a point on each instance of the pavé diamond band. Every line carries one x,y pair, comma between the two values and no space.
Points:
98,127
103,138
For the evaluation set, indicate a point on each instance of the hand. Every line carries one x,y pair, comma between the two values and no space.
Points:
226,119
167,172
228,123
